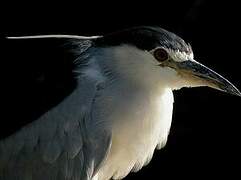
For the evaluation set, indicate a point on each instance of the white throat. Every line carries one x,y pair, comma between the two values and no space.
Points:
141,110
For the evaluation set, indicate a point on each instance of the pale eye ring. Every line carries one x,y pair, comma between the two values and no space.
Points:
160,54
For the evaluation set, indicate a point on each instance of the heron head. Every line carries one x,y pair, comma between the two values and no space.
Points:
172,52
172,56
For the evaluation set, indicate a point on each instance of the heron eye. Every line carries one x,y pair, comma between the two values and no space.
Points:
160,54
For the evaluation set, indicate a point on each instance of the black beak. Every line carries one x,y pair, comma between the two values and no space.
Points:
209,76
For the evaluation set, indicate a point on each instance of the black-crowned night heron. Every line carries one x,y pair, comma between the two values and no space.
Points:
118,113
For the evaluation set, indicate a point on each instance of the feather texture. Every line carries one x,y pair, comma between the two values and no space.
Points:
56,144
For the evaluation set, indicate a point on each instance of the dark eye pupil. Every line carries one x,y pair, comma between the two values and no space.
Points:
160,54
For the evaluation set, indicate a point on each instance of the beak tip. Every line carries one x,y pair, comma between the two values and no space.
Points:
239,94
233,90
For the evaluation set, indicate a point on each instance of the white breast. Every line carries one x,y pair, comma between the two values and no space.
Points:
142,127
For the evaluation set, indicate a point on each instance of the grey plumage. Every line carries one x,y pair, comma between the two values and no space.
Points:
56,145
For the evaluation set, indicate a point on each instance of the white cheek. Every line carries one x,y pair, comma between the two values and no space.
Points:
172,79
168,75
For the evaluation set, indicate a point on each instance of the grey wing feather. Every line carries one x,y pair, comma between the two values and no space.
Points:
57,146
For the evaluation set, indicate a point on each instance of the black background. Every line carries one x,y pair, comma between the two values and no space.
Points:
205,135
